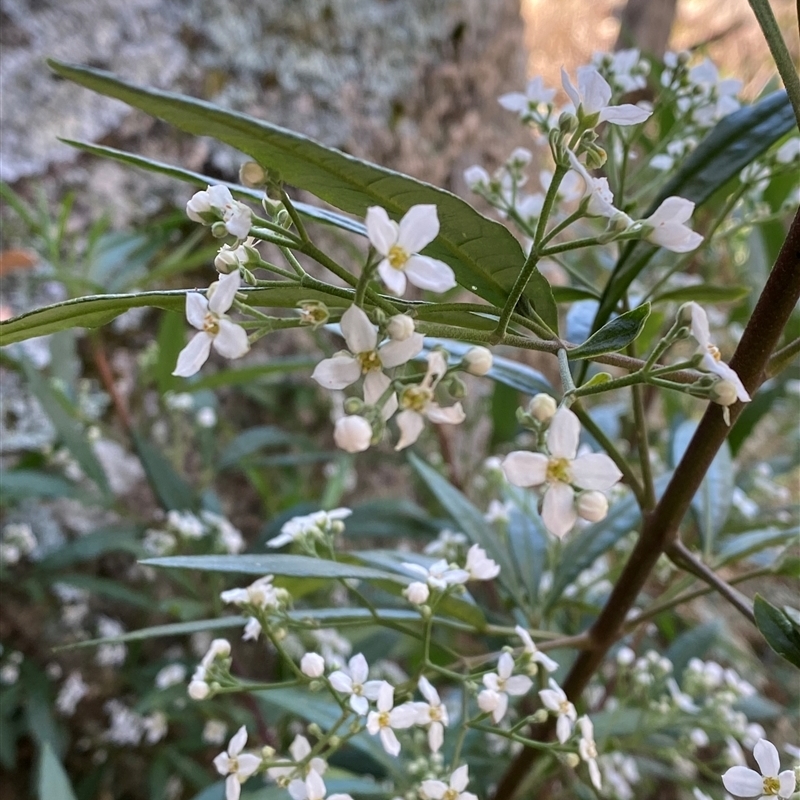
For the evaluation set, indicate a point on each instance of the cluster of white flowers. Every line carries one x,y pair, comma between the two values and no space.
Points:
319,526
200,686
186,526
448,545
17,541
260,599
128,728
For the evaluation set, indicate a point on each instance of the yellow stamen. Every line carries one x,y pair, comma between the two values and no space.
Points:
369,360
211,324
771,787
397,256
383,719
714,350
558,470
416,398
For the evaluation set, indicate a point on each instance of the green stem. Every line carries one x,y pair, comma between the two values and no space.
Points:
567,384
640,423
547,206
575,244
291,259
295,217
608,386
781,359
565,223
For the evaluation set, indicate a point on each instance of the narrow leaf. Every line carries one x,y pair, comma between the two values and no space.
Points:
777,628
252,441
173,492
703,293
53,781
613,336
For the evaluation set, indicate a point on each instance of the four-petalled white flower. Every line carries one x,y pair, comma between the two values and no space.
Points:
479,566
354,682
387,718
313,788
237,766
439,575
560,471
528,102
432,713
453,790
770,782
208,315
666,226
299,749
399,246
499,685
216,202
587,748
556,702
535,654
592,96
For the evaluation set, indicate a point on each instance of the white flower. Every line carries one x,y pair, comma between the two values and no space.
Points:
555,701
364,357
354,682
236,765
501,684
712,360
206,417
313,788
498,511
527,103
476,178
214,731
170,675
260,594
433,714
439,575
536,655
480,567
230,258
312,665
417,403
788,152
601,198
438,790
417,593
387,719
745,782
252,630
73,690
588,750
560,470
352,433
592,96
155,727
217,202
400,245
478,360
317,525
208,316
667,228
300,749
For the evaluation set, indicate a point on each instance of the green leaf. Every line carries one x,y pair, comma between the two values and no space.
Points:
18,483
268,564
53,781
777,628
251,441
613,336
484,254
693,643
108,587
734,142
703,293
171,338
92,545
251,375
172,491
570,294
528,541
69,429
740,545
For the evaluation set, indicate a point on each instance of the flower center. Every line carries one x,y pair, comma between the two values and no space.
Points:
771,787
450,794
714,350
563,707
397,256
358,689
369,360
416,398
383,719
558,470
211,324
435,713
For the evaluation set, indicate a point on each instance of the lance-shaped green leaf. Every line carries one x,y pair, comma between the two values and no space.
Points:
484,254
613,336
735,141
53,780
778,629
703,293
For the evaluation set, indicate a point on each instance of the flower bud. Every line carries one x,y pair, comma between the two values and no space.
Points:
540,716
724,393
312,665
400,327
595,157
252,174
542,407
267,752
283,218
478,360
272,207
313,313
456,387
198,690
417,593
567,122
218,230
592,505
476,177
520,157
572,760
221,648
352,433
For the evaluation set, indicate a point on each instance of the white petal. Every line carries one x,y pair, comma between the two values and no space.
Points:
396,352
437,368
505,665
222,763
594,90
563,434
595,471
194,355
518,685
434,789
743,782
248,764
460,778
788,783
625,114
231,341
359,704
224,292
418,228
358,331
297,788
196,308
375,384
514,101
359,668
571,91
700,329
381,231
502,707
403,716
563,729
767,758
428,691
452,415
411,425
371,689
219,196
341,681
558,509
233,789
389,741
525,469
673,209
430,273
337,372
435,736
299,748
385,696
315,786
238,742
394,279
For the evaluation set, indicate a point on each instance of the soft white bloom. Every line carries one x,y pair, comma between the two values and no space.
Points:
454,790
447,543
155,727
478,360
352,433
498,511
206,417
592,506
536,655
365,357
666,226
126,727
300,749
560,471
745,782
400,327
73,690
593,94
214,731
252,630
312,665
588,750
230,258
354,682
542,407
500,685
476,177
480,567
400,245
716,98
432,713
418,403
788,152
207,314
530,206
217,202
556,702
528,102
236,765
260,594
313,788
198,689
439,575
417,593
387,719
186,524
712,361
317,525
597,190
170,675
